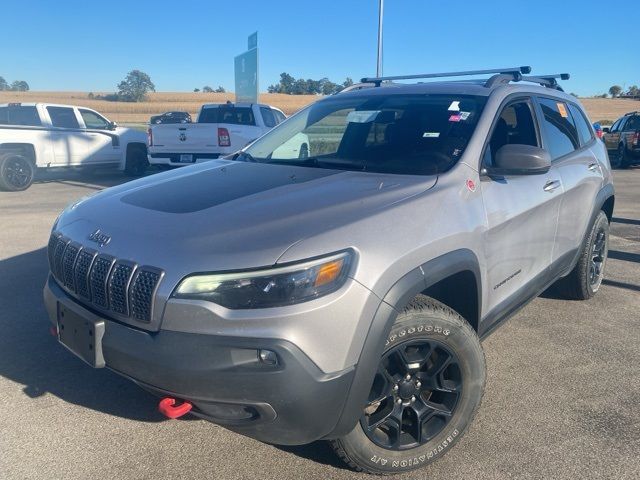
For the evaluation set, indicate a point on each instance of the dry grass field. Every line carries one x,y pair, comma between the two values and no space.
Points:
598,108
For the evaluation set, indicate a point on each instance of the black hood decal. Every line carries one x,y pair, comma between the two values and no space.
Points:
208,188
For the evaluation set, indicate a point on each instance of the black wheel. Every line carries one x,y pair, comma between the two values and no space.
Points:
622,161
16,172
585,279
427,389
137,162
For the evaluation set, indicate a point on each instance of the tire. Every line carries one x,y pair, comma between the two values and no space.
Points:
586,277
623,161
137,161
16,172
424,337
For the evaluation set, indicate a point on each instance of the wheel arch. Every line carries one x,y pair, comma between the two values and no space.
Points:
458,270
25,149
135,145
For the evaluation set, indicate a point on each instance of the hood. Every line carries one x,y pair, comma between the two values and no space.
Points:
224,215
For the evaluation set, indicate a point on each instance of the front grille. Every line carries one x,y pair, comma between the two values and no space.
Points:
142,290
119,287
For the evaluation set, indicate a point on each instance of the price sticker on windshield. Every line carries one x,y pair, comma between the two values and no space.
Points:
562,109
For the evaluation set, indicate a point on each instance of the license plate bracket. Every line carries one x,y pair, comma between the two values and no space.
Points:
186,158
81,336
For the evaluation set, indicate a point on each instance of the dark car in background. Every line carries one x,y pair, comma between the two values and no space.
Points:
623,140
171,117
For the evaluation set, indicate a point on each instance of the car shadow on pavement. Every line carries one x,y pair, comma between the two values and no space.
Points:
627,221
96,179
318,452
30,356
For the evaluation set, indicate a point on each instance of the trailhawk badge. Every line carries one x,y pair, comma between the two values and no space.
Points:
100,238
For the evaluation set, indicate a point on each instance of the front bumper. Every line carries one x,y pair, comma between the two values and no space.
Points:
291,403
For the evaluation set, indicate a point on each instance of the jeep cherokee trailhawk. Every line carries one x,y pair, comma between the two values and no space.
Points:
341,293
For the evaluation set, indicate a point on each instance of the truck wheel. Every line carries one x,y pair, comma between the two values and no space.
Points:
586,277
622,161
427,389
16,172
137,162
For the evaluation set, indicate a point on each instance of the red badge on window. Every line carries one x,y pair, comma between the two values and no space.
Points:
471,185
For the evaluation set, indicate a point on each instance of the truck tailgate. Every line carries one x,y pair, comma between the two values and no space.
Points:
185,138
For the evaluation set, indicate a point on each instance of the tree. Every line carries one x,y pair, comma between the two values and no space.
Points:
20,86
3,84
135,86
220,89
196,90
615,90
207,89
633,91
347,83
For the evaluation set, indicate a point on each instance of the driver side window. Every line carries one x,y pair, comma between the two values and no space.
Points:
93,121
515,125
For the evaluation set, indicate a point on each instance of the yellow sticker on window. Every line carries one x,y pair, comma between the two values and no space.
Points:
562,109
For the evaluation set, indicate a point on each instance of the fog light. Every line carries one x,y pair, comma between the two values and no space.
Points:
268,357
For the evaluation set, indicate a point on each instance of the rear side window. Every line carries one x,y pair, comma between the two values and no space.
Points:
19,115
225,114
267,117
63,117
584,130
560,131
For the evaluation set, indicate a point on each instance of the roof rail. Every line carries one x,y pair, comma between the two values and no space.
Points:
544,80
514,72
631,113
357,86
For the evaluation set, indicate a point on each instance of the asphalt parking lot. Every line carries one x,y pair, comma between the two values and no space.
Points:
561,398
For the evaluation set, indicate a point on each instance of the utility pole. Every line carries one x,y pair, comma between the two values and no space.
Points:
380,16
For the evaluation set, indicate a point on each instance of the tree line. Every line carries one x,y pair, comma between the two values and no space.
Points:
299,86
618,91
16,86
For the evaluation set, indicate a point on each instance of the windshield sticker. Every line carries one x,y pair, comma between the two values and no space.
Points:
464,115
362,116
455,106
562,109
430,134
455,117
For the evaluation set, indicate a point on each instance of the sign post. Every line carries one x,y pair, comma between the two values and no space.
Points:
246,72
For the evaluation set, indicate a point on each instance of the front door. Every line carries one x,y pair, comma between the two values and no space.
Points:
522,213
102,146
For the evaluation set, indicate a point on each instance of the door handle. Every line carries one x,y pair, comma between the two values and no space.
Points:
593,167
551,185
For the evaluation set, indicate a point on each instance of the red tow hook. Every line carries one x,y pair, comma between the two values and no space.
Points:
169,409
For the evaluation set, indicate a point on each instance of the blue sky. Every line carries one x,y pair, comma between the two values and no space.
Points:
91,45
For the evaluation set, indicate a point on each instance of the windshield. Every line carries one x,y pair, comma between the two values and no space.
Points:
406,134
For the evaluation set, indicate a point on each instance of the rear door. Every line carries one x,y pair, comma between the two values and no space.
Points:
567,136
522,212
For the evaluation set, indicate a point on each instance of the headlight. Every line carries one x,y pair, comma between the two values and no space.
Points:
271,287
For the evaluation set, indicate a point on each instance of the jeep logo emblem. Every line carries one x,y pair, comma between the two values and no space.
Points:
100,238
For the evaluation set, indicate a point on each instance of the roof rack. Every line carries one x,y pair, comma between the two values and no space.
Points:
544,80
515,73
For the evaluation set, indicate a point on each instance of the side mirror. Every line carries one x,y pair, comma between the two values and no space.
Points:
113,125
606,130
520,160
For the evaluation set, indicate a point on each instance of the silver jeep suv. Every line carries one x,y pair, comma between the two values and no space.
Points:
333,279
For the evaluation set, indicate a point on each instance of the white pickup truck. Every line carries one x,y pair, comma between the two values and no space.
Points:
43,135
221,129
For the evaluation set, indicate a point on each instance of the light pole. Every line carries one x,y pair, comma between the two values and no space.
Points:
380,16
